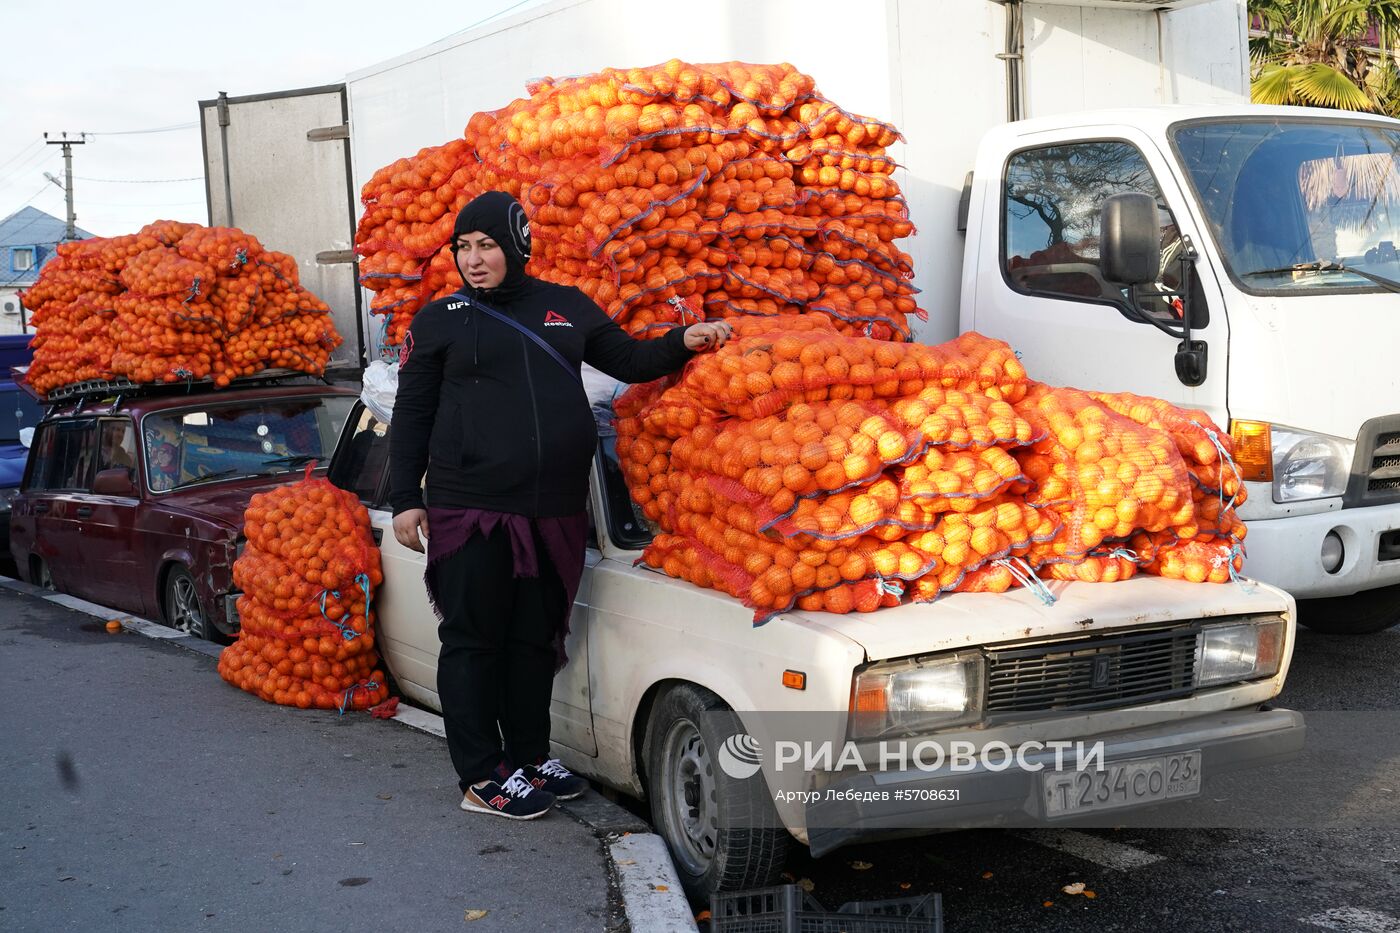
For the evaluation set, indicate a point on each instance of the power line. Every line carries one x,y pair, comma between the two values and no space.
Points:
33,163
139,181
31,198
482,22
21,152
155,129
87,202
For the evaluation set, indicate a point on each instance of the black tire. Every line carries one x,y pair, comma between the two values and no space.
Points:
694,802
1359,614
183,610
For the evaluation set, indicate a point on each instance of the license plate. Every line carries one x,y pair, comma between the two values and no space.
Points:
1128,783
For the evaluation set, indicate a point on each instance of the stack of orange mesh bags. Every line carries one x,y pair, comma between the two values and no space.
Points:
171,303
800,466
306,616
668,194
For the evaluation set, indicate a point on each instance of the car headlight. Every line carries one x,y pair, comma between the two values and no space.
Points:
914,696
1236,651
1300,464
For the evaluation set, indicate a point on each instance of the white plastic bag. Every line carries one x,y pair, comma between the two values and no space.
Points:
380,385
601,389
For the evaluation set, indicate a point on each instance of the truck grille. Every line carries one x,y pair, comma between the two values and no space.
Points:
1093,673
1375,475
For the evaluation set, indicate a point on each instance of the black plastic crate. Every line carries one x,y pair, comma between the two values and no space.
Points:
789,909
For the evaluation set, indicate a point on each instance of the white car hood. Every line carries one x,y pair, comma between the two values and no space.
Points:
960,620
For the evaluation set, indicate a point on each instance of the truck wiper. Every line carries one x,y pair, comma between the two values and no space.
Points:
1327,265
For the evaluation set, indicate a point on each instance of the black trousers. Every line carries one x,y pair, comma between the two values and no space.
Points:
496,667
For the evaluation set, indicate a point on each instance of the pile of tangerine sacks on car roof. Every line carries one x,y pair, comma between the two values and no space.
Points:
175,301
306,616
802,466
668,194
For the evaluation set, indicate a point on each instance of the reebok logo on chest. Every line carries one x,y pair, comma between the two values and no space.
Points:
555,319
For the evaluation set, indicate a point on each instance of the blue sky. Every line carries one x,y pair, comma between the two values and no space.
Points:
113,68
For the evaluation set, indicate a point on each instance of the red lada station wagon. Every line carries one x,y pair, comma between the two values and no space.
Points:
136,501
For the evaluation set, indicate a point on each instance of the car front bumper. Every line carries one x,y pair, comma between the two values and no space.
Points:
872,805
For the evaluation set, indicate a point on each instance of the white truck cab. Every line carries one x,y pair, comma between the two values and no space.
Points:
667,682
1277,229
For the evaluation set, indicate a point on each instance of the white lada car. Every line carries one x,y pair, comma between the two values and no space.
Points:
743,739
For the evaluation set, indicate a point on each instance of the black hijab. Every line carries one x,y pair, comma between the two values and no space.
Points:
499,216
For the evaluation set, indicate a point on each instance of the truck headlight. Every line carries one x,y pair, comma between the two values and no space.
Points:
914,696
1300,464
1310,466
1236,651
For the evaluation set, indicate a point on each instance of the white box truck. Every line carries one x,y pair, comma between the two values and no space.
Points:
1275,235
666,679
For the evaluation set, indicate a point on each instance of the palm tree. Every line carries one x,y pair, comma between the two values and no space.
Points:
1314,53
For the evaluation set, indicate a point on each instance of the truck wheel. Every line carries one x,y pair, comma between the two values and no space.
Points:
1359,614
723,832
183,611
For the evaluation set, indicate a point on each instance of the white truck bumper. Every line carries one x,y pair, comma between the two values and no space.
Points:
1287,551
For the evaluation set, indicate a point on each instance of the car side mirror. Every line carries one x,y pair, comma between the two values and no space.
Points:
1129,246
114,482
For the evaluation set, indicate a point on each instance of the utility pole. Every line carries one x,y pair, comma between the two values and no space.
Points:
70,233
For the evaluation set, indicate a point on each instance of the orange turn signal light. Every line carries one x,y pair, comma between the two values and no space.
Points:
1254,450
795,679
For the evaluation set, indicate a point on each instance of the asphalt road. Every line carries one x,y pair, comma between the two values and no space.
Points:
143,793
1276,879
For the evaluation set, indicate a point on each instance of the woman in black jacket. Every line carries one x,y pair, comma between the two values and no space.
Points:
491,405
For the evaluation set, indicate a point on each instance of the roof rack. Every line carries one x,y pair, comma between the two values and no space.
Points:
79,393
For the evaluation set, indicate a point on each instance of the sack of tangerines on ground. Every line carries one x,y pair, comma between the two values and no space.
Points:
308,577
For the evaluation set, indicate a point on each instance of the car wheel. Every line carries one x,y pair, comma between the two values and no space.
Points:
723,832
1359,614
41,576
183,611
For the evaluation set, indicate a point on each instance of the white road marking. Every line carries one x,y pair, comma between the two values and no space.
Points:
1094,849
651,892
1354,920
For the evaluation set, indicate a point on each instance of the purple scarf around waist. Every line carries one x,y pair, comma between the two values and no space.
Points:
564,541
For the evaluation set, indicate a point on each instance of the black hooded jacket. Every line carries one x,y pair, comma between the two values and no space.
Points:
496,422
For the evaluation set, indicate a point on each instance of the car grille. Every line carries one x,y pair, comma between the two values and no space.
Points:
1093,673
1375,476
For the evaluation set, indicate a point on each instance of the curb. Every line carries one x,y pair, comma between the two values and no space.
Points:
652,897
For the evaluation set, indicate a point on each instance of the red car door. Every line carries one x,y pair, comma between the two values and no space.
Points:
108,542
59,502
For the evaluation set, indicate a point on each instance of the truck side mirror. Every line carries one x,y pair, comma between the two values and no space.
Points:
1129,251
113,482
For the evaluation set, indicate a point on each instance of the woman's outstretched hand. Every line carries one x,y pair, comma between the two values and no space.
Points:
710,335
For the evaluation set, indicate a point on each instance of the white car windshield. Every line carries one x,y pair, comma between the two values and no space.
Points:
1299,205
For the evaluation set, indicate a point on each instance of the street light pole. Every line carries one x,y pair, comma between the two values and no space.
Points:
70,232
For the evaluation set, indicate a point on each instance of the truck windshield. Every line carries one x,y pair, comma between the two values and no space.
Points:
1297,206
202,444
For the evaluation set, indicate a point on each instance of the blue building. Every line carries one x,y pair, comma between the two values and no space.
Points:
27,241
